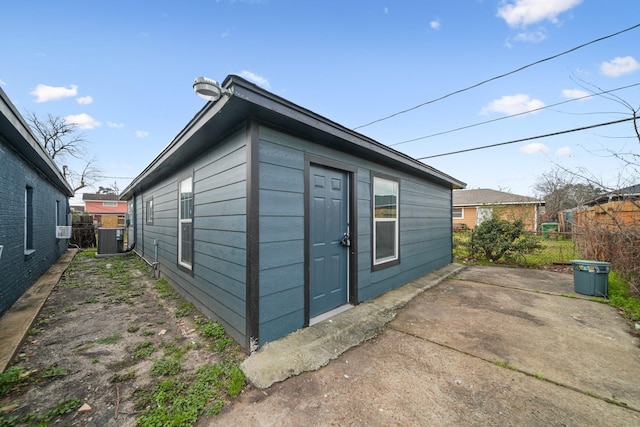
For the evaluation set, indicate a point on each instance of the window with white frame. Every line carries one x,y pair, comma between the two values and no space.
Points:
148,208
185,226
386,193
458,213
110,204
28,220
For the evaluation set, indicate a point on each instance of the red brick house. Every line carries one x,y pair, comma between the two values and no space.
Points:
106,209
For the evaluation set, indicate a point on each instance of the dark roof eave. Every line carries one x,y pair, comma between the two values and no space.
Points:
19,135
249,100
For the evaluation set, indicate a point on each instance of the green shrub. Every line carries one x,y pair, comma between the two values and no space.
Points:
497,239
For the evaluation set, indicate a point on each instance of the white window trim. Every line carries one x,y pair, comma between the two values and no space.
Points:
148,211
461,213
110,204
395,256
181,185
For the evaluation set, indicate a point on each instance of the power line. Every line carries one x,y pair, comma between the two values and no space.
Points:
512,115
498,77
531,138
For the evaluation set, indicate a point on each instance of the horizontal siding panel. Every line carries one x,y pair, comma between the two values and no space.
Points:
231,176
282,278
278,154
235,239
284,325
281,178
277,305
237,272
221,252
281,254
228,192
281,229
273,203
220,162
223,208
225,223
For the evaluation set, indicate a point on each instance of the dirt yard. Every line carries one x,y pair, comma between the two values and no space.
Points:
106,336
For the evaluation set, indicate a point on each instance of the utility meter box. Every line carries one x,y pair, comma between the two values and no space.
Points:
110,241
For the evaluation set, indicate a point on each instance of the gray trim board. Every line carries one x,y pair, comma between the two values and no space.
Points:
253,236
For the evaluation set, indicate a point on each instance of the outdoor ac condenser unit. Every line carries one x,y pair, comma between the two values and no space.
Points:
110,241
63,231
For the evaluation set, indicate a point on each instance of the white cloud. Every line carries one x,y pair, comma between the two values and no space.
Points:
142,133
534,148
531,37
2,82
386,10
520,13
259,80
83,121
512,104
574,93
44,93
84,100
619,66
115,125
563,152
435,25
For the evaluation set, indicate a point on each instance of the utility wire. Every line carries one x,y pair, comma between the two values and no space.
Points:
513,115
498,77
528,139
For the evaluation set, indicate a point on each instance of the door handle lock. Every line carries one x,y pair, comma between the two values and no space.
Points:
346,240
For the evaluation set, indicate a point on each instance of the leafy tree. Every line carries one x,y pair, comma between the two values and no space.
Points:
495,239
109,190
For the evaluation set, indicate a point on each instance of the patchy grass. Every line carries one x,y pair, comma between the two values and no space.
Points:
174,392
185,309
214,330
560,251
143,349
114,338
619,296
179,401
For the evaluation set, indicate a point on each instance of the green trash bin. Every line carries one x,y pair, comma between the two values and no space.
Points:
591,277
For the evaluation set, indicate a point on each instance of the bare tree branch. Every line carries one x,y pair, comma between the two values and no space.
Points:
57,137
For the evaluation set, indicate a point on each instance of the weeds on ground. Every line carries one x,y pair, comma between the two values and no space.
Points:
143,349
185,309
619,296
179,401
174,397
111,339
33,418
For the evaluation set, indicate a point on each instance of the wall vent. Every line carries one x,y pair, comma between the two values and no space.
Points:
63,232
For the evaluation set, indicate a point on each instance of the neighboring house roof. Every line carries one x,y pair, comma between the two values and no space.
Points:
100,197
632,191
485,196
15,131
217,119
94,203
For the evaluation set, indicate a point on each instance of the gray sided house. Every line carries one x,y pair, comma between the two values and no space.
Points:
35,199
270,217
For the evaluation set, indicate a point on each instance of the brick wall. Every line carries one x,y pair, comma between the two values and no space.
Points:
18,270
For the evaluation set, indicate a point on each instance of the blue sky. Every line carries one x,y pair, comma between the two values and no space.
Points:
123,71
